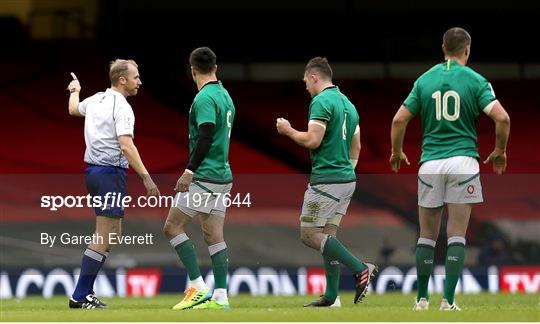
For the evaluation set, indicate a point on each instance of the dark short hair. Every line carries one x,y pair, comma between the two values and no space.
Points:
321,66
455,40
203,59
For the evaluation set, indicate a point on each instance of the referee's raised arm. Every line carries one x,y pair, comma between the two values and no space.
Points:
74,88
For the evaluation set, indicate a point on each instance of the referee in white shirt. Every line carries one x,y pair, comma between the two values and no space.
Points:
108,133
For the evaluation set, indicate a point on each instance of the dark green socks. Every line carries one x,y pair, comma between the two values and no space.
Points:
334,250
455,255
425,250
332,272
220,263
186,252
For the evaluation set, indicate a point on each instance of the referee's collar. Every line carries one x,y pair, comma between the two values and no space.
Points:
111,90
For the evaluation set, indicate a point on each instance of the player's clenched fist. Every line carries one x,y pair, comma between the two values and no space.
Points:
74,85
283,126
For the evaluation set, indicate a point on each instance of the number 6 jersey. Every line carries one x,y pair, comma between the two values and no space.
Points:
330,162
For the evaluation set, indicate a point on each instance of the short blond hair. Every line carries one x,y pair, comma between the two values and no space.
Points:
118,68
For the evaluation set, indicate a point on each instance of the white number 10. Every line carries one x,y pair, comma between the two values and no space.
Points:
441,106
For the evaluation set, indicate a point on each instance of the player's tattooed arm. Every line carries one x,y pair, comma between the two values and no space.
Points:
311,139
74,88
397,135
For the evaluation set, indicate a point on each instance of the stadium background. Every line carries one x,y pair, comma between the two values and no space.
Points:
376,50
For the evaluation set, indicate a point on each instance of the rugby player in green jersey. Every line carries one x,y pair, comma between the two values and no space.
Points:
448,98
333,138
207,176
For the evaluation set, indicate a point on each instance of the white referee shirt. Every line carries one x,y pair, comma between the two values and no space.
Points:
107,116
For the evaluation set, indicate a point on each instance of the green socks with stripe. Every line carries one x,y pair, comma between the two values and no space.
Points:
332,272
186,252
455,256
425,251
220,263
332,249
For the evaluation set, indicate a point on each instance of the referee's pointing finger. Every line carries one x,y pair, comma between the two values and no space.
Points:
73,76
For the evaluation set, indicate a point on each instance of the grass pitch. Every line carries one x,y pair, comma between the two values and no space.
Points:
244,308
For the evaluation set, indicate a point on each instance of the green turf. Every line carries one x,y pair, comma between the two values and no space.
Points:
388,307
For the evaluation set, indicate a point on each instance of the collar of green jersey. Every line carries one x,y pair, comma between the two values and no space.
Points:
330,87
210,82
448,64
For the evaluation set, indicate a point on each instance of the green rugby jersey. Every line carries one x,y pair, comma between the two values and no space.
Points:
449,98
330,161
212,105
